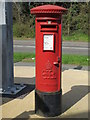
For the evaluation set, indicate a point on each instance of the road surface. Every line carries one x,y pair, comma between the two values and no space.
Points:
79,48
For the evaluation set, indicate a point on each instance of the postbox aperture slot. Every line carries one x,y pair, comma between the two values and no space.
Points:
48,27
48,42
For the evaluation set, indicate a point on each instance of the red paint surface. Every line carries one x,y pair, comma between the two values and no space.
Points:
48,9
48,63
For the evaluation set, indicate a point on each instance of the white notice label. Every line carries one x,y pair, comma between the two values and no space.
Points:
48,42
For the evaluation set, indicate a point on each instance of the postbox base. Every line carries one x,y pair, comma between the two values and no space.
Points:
48,104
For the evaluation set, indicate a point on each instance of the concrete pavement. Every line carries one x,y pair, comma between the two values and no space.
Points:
74,98
64,66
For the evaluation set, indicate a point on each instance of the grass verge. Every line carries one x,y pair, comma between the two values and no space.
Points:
76,59
23,57
66,59
80,37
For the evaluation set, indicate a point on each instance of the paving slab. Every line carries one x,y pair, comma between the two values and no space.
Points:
74,99
64,66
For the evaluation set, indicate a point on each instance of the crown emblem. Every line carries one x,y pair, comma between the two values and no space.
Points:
48,66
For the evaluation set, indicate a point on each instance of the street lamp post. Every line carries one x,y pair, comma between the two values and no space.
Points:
7,85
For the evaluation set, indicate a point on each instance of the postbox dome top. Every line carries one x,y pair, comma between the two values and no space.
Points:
48,9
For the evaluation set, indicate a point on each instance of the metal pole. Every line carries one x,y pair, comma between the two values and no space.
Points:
7,85
9,41
0,57
3,48
6,46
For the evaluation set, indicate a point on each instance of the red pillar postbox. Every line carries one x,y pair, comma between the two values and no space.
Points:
48,59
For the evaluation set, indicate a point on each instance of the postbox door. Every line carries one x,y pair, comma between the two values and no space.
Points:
49,61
